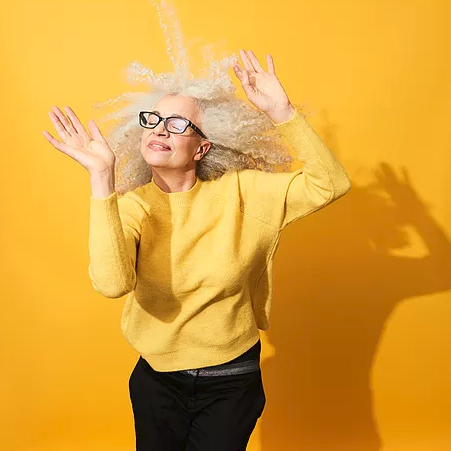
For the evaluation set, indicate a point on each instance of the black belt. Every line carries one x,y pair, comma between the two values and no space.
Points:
225,369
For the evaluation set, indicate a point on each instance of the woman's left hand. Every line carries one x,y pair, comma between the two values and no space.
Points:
263,89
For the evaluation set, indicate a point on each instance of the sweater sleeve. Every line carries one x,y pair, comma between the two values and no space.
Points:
115,226
287,196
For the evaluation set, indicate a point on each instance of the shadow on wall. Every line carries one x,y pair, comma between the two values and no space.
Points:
340,284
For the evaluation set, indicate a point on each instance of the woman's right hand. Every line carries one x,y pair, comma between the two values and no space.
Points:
94,154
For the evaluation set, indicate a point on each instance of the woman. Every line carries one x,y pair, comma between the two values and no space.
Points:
193,250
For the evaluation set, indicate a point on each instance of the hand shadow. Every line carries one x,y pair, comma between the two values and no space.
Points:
331,301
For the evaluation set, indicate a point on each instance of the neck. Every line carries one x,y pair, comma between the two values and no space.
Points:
171,181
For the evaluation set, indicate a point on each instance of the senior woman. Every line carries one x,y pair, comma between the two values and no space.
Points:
193,247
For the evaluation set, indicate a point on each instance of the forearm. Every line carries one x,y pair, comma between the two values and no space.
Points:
112,257
322,169
433,236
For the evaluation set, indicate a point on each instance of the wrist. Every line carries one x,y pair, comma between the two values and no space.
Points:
283,114
102,184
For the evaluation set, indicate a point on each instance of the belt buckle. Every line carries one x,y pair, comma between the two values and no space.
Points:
190,372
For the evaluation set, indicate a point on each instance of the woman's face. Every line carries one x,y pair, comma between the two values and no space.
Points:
184,149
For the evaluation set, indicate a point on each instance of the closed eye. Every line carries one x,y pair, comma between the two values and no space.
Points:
172,115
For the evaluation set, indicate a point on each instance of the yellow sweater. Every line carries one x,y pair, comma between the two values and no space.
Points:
197,265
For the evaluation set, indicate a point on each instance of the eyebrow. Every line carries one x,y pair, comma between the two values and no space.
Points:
172,115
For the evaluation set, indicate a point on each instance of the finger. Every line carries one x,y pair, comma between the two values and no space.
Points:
243,75
270,61
238,71
378,174
385,169
406,176
95,132
254,61
246,84
62,132
76,122
63,119
246,63
59,145
246,80
390,174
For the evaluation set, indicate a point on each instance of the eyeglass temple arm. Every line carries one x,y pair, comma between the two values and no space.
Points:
198,130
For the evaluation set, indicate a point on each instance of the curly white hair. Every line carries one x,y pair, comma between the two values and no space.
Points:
242,136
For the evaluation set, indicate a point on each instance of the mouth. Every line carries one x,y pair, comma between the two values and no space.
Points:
158,147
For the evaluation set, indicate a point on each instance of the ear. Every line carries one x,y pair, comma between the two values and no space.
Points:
202,150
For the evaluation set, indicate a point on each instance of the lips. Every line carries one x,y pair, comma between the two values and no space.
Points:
158,145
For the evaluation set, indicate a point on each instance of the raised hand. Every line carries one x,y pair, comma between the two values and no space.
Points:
263,89
93,153
401,190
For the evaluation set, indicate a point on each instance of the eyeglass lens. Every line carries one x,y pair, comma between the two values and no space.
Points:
174,124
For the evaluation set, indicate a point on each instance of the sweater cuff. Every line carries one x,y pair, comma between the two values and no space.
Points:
103,199
296,113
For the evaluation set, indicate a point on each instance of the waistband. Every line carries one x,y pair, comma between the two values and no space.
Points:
226,369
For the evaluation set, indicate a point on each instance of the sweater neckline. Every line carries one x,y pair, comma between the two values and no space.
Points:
176,199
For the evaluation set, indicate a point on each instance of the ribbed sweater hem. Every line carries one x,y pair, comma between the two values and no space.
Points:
212,355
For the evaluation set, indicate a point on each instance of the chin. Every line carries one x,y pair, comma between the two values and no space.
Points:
157,159
156,162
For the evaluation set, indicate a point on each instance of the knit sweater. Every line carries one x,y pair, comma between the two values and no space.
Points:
197,265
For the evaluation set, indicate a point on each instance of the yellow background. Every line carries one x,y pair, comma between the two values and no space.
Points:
357,357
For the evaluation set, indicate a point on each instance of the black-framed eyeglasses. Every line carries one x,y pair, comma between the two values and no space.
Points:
173,124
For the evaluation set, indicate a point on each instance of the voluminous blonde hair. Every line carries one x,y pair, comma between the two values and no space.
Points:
242,136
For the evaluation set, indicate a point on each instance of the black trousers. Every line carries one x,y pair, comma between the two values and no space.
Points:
178,412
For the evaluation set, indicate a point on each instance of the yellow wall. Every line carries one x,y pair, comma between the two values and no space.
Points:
358,354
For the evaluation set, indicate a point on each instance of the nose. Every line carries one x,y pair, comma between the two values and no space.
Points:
160,129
